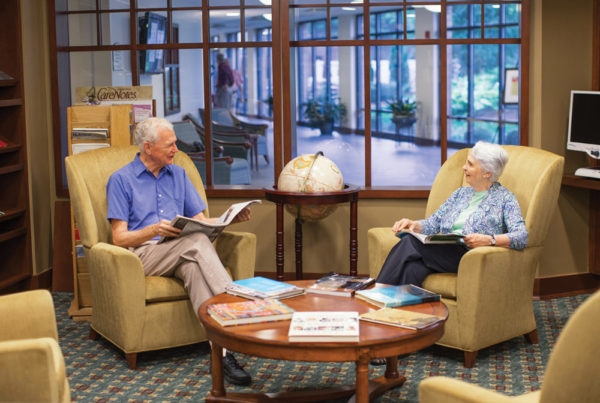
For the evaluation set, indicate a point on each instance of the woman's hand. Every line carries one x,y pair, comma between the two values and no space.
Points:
407,224
476,240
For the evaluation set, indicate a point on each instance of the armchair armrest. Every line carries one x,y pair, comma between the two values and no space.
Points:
32,370
237,251
442,389
118,291
28,315
495,283
380,241
202,158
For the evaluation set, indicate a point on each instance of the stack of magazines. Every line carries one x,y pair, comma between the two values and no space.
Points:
261,288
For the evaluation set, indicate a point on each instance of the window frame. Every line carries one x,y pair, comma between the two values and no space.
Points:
281,46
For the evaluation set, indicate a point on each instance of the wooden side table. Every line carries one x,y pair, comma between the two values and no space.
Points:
348,194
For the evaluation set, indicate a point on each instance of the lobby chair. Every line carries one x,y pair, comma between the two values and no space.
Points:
135,312
230,159
224,121
32,366
570,376
489,300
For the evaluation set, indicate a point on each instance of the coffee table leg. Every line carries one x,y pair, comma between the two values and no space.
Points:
362,380
218,386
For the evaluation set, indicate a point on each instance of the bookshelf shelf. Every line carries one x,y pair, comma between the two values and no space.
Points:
8,83
7,236
11,169
11,102
9,214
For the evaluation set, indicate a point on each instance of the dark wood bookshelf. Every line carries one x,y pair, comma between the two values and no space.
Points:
15,234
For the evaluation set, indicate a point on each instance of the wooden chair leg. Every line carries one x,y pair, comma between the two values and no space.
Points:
131,360
532,337
470,358
93,335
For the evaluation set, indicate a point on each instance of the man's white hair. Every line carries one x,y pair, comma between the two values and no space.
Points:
147,130
492,158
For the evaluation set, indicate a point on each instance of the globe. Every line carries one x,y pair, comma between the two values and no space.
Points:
311,173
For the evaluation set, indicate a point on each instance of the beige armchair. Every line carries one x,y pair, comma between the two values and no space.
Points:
571,374
489,300
134,312
32,367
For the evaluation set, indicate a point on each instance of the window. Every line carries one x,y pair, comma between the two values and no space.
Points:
363,61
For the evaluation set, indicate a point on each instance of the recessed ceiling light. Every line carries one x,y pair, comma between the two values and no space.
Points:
266,3
268,17
233,14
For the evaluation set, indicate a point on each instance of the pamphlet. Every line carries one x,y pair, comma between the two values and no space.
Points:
262,287
398,295
324,326
339,284
240,313
401,318
189,225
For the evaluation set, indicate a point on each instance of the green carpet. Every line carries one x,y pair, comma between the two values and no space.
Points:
97,371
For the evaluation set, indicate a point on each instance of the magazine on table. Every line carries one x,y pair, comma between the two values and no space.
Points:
397,295
339,284
401,318
240,313
189,225
324,327
262,287
435,238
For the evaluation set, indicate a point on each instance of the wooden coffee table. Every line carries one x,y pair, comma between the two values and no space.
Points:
270,340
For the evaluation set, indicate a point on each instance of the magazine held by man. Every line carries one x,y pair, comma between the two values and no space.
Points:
189,225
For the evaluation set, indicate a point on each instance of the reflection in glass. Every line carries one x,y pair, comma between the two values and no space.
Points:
476,107
190,26
89,69
114,4
255,20
82,29
325,109
223,22
152,3
81,5
186,3
405,110
115,29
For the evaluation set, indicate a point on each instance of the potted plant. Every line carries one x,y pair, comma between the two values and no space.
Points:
322,113
404,112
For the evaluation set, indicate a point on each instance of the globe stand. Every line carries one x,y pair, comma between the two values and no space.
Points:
348,194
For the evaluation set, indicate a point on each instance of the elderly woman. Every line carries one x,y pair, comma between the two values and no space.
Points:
485,212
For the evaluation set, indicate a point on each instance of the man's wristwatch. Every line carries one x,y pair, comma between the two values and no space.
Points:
493,241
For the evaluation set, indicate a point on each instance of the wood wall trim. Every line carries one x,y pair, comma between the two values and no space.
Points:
565,284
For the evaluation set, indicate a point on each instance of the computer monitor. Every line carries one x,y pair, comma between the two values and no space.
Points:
584,123
584,128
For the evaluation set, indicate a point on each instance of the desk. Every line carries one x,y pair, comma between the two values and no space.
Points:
594,227
270,340
349,194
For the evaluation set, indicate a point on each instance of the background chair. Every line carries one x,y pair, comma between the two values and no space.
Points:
223,121
135,312
230,159
32,367
571,374
489,300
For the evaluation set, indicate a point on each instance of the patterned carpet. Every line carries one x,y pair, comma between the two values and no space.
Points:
97,371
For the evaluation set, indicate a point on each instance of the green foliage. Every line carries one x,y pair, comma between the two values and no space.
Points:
403,107
320,110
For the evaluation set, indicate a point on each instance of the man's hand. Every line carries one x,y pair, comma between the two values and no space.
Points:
242,216
165,229
407,224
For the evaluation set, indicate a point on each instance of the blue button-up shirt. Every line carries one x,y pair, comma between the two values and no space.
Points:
136,196
498,213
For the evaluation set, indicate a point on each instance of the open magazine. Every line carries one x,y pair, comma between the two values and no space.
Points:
212,230
436,238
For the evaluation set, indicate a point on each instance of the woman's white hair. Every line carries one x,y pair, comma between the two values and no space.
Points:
492,158
147,130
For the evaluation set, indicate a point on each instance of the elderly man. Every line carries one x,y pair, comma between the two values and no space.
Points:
143,197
